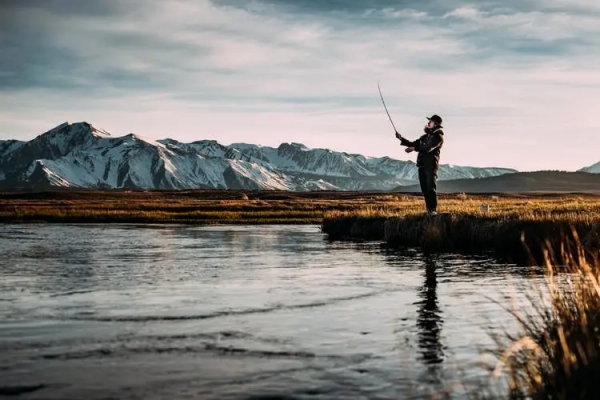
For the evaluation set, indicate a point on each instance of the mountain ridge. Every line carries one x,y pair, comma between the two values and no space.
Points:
80,155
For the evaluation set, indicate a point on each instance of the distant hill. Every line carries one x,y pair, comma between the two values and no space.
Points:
593,169
538,181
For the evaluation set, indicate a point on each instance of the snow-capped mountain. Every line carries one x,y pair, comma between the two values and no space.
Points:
80,155
592,169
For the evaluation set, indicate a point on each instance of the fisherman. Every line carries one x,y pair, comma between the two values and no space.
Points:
428,161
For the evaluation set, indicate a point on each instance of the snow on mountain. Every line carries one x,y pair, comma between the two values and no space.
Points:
62,174
51,145
296,157
249,175
405,170
592,169
62,139
248,152
80,155
8,146
209,148
319,185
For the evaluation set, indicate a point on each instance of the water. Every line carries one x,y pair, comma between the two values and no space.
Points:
148,312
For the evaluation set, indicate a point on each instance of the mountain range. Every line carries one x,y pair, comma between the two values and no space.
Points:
79,155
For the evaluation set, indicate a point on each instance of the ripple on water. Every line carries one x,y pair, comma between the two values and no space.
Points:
235,312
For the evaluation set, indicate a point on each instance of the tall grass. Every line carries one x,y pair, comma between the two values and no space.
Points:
508,228
556,353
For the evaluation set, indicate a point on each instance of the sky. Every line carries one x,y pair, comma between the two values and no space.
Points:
517,82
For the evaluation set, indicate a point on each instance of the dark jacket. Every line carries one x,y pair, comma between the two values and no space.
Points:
428,146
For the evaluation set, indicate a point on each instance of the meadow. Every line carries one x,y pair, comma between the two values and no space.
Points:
237,206
190,207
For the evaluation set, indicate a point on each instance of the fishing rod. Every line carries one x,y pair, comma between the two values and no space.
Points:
386,110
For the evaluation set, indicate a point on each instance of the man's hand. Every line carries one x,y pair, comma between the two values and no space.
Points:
398,136
409,149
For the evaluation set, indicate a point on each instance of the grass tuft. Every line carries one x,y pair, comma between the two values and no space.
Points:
556,353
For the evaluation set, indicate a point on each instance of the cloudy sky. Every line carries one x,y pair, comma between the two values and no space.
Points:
516,81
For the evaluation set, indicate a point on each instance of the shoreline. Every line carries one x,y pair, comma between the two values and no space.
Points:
397,219
511,239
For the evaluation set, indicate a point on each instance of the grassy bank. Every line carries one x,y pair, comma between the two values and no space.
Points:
515,228
556,353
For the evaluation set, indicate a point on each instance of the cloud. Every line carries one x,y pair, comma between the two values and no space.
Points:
104,8
509,75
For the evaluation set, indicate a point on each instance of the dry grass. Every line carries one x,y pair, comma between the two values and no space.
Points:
214,206
531,208
556,354
510,227
198,207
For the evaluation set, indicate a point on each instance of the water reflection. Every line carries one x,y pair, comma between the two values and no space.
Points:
429,322
269,310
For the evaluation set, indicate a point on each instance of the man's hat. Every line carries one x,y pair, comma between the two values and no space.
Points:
435,118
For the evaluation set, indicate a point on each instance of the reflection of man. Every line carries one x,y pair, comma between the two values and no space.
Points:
429,320
428,146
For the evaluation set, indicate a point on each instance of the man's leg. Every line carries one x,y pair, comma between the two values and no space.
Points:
433,190
430,186
423,183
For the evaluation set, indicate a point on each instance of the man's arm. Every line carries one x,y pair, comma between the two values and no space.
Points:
408,143
430,145
404,141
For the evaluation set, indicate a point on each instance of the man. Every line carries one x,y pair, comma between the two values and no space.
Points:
428,146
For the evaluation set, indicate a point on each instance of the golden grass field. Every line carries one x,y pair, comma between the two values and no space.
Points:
213,206
195,207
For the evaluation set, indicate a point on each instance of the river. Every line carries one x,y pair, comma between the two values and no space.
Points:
240,312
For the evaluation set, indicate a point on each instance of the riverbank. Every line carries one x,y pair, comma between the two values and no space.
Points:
517,230
361,211
511,224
